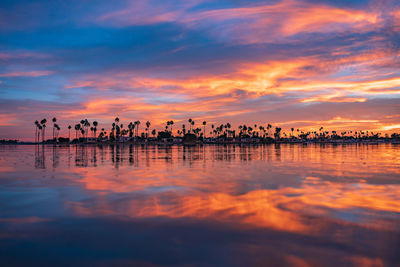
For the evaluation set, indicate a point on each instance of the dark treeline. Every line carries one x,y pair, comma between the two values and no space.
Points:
88,132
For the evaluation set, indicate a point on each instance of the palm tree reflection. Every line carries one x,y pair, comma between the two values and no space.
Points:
144,155
40,160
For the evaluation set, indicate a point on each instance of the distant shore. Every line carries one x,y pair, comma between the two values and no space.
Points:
199,142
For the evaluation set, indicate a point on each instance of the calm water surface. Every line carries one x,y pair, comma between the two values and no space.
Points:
294,205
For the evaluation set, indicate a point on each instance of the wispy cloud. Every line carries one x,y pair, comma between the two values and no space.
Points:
26,73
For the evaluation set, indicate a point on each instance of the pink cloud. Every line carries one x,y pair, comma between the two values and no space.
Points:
254,24
26,73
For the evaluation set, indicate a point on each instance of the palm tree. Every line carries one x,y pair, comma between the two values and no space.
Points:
137,123
131,126
147,128
204,126
171,122
190,123
87,125
83,122
69,132
269,126
54,125
153,132
58,130
113,128
77,128
277,132
117,132
36,130
95,123
40,129
43,122
261,128
240,127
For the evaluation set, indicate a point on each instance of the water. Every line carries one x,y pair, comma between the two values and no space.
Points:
294,205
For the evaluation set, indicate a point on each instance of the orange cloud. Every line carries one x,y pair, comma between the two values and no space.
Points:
259,79
333,98
390,127
281,78
259,24
315,18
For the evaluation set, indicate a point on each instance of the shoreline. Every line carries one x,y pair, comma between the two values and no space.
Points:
339,142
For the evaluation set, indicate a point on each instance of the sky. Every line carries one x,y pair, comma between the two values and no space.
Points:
290,63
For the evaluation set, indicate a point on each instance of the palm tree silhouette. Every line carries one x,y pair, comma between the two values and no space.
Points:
87,125
269,126
171,122
69,132
82,125
204,126
77,128
40,129
57,130
131,126
137,123
147,128
95,123
43,122
36,130
190,124
54,125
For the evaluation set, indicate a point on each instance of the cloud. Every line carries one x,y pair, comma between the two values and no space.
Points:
8,119
26,73
248,24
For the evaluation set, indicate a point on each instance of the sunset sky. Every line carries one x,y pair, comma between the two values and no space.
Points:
290,63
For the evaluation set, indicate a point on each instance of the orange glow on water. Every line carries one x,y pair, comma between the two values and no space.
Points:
292,193
179,189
